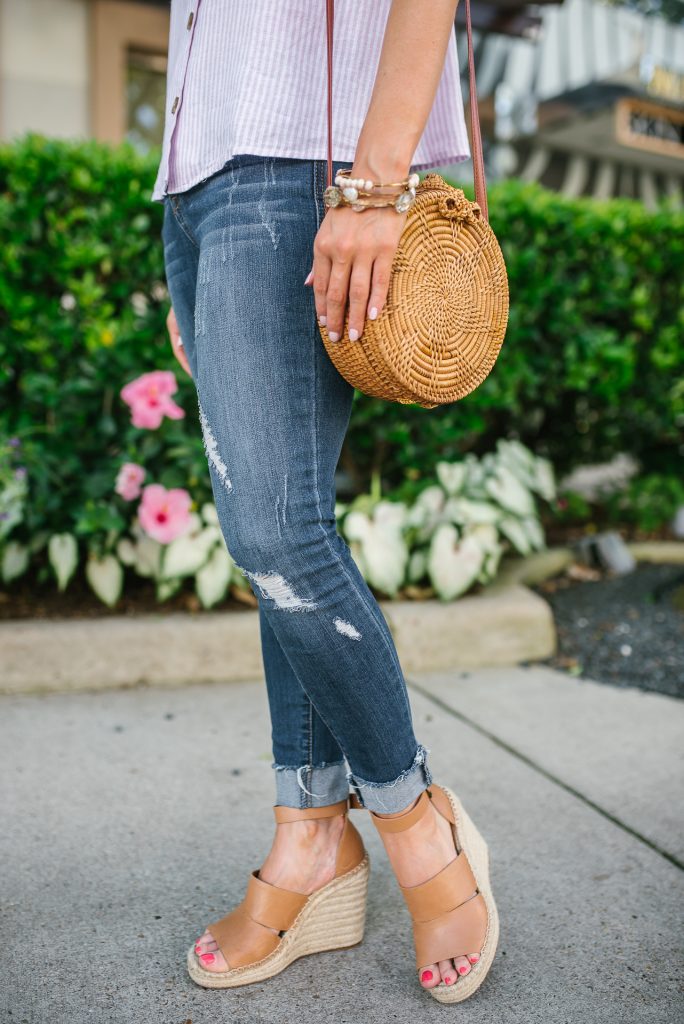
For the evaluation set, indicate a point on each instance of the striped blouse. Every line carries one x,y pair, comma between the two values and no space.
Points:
250,76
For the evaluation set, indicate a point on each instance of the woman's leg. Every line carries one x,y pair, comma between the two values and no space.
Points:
309,765
274,412
307,757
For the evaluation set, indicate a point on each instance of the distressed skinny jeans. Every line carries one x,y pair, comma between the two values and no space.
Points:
274,412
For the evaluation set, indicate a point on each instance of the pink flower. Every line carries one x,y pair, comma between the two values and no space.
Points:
149,398
164,515
129,481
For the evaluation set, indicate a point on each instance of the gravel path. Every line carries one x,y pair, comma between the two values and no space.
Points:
626,630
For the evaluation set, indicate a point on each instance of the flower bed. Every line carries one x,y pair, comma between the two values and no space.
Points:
597,311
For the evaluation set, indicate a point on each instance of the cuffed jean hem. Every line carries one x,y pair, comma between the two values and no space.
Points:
390,797
311,785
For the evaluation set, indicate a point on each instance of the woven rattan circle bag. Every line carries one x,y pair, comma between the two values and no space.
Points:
445,318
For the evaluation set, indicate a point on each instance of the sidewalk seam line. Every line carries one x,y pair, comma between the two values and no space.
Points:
503,745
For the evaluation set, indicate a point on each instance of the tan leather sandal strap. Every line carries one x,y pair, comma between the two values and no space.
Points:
270,906
449,888
405,820
241,940
284,814
456,933
441,802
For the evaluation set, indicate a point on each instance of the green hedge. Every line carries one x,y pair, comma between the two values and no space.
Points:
591,364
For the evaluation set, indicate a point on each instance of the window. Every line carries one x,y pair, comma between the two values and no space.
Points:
145,99
128,66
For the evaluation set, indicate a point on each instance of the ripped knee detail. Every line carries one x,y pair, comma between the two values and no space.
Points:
276,588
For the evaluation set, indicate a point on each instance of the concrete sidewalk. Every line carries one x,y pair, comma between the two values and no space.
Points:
135,817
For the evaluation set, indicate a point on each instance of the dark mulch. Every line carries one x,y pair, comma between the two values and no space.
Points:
29,599
626,630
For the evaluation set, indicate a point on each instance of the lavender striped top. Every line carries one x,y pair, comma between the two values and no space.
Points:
250,76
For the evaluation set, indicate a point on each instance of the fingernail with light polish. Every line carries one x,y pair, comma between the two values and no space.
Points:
323,320
309,278
373,315
353,334
334,336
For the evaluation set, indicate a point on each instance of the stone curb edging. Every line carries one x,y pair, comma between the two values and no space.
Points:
500,626
504,624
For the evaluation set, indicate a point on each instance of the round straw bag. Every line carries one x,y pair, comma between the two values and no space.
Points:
445,318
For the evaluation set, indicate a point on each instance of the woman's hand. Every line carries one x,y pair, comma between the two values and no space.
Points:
353,255
176,341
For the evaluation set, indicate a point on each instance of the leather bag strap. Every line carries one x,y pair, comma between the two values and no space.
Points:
476,135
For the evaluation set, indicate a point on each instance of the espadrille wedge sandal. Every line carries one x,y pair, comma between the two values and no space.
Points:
272,926
448,920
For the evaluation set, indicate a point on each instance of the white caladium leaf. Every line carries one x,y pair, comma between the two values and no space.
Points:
453,564
516,533
385,557
390,515
126,551
535,472
432,499
463,510
535,533
417,516
188,553
209,514
509,492
452,476
417,566
357,526
377,545
105,576
15,560
475,475
544,479
63,557
427,512
514,453
487,536
212,580
148,557
212,535
194,524
183,557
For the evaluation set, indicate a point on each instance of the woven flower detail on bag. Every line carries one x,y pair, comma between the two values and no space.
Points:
455,206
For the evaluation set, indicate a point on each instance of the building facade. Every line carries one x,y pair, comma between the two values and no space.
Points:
583,96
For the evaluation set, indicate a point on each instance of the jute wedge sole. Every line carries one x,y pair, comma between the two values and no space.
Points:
476,850
332,918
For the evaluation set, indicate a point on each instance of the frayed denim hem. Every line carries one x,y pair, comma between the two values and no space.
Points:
311,785
390,797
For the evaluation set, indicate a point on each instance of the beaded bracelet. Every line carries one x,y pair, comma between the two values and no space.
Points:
358,193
